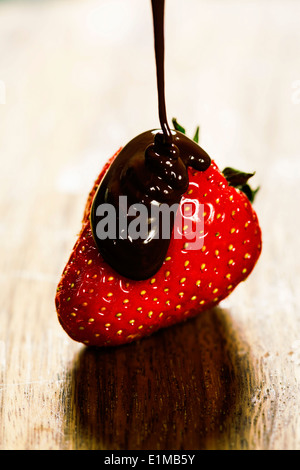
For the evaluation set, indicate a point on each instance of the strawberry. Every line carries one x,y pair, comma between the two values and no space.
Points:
97,306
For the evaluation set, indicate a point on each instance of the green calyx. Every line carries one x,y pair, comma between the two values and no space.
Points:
181,129
239,180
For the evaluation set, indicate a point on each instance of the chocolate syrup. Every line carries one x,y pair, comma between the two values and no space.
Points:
151,170
158,13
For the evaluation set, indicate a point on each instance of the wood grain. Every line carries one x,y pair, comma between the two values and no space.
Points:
195,376
76,83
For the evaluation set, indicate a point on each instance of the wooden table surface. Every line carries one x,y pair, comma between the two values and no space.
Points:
77,81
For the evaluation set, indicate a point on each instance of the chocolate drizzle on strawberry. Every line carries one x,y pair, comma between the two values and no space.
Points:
150,169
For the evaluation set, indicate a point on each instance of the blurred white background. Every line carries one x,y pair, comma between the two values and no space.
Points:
80,81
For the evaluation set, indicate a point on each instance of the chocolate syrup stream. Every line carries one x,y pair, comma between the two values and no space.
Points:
158,12
150,170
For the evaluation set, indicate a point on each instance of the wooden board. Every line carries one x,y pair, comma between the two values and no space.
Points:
77,81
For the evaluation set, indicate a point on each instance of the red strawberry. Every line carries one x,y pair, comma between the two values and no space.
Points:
97,306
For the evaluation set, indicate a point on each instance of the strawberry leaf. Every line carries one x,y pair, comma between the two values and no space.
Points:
177,126
239,180
196,136
236,177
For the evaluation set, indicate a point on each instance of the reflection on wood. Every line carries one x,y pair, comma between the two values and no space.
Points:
188,387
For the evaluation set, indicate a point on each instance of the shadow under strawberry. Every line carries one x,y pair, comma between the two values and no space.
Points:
183,388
